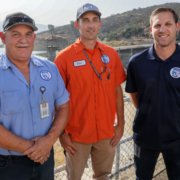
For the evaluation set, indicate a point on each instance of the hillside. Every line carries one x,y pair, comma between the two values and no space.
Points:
134,23
131,27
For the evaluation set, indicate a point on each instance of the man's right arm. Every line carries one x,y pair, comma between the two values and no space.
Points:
10,141
134,98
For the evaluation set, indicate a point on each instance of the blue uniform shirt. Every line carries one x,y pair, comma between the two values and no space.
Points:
157,82
20,101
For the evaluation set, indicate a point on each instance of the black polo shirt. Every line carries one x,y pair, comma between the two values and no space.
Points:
157,82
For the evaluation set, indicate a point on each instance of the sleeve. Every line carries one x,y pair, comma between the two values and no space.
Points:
130,81
119,70
62,95
61,65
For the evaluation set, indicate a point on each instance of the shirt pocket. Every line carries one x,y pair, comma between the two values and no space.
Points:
12,102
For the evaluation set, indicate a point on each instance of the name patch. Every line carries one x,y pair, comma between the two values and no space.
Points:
79,63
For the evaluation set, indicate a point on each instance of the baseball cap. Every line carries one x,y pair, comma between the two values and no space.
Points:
87,8
18,18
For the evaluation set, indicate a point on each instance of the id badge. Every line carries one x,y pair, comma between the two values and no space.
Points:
44,110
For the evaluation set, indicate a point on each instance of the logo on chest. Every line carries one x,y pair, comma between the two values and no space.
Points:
175,72
105,59
45,75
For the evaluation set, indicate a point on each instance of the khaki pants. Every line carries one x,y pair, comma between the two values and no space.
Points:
102,156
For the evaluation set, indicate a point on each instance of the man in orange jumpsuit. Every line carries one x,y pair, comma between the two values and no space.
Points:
93,74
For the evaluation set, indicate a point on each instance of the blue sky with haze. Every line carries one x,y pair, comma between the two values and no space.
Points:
61,12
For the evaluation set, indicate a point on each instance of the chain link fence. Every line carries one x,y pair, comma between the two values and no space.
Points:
123,167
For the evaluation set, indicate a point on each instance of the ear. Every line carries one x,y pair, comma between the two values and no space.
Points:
100,24
178,26
76,24
34,36
150,29
2,36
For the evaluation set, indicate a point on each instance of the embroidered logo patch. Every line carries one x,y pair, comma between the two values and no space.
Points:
45,75
105,59
175,72
79,63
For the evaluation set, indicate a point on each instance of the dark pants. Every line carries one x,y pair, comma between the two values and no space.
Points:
145,161
22,168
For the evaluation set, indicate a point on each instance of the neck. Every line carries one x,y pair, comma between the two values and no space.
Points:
89,44
164,52
22,66
20,63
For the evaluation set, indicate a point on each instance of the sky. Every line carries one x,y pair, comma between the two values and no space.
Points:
61,12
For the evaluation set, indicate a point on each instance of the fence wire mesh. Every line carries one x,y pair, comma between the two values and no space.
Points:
123,167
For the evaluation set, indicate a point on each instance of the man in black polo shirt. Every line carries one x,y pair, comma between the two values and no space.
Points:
153,81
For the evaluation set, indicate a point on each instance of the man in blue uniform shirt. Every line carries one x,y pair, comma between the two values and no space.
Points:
153,81
33,105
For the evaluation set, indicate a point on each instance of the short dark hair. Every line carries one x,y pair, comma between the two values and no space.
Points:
164,9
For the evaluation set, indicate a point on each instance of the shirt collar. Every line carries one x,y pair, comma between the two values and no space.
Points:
153,56
151,53
5,63
78,45
36,61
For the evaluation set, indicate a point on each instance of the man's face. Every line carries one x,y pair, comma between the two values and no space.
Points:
19,42
163,29
89,25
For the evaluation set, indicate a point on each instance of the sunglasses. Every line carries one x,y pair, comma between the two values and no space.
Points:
15,20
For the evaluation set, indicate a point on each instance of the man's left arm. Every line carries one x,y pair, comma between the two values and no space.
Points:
40,151
119,128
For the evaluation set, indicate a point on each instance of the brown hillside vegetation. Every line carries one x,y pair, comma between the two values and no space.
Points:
131,27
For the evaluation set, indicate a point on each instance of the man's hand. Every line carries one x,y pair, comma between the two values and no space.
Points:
67,144
117,136
41,149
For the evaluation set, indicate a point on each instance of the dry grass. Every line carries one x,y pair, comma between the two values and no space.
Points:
125,42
